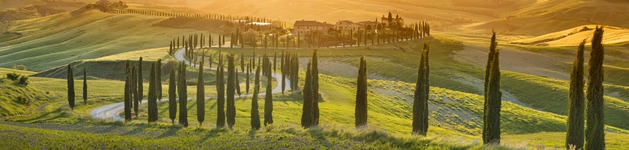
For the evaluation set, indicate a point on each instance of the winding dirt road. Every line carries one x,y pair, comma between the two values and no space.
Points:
111,111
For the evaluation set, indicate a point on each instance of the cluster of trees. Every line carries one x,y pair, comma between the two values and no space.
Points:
230,19
594,133
133,90
106,6
70,85
310,93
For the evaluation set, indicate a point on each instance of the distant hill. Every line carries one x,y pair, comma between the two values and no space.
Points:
556,15
574,36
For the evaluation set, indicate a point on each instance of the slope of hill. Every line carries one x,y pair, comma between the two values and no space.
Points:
17,99
556,15
57,40
574,36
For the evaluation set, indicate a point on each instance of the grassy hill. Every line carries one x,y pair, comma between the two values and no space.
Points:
17,99
56,40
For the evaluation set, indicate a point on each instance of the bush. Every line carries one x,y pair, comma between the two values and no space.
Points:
23,80
13,76
23,100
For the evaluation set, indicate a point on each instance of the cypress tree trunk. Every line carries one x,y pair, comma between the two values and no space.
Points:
575,135
70,77
494,102
315,89
594,131
268,98
231,91
422,89
140,83
306,115
220,87
85,86
152,95
172,96
183,96
255,114
361,95
201,94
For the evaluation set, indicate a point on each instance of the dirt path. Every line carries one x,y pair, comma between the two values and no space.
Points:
111,111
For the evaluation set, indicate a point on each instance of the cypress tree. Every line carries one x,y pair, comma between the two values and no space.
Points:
247,78
283,70
85,86
158,80
127,96
420,104
490,58
140,83
361,95
595,129
576,105
315,89
493,103
183,96
172,96
268,98
152,95
134,88
231,107
255,114
201,94
275,61
242,62
220,87
306,115
70,81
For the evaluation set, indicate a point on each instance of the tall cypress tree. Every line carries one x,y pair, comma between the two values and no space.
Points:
315,89
183,96
231,91
70,77
422,88
490,58
491,134
575,135
220,119
595,129
127,96
201,94
306,115
283,70
248,72
255,113
268,97
133,90
140,83
172,96
152,95
158,80
361,95
237,83
85,86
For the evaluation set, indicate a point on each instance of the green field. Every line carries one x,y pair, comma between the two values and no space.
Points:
534,83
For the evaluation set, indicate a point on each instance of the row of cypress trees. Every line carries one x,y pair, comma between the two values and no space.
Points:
70,85
310,93
594,134
133,90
